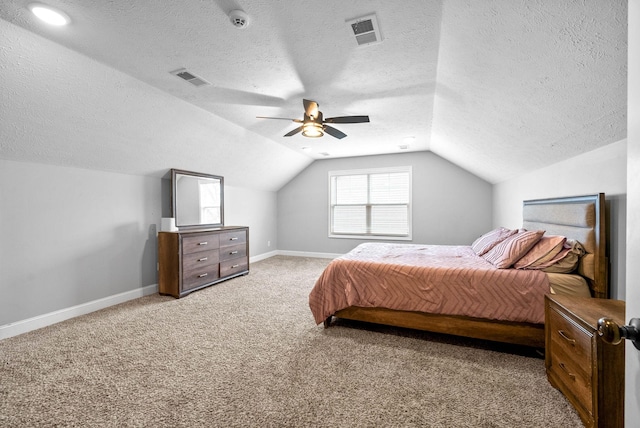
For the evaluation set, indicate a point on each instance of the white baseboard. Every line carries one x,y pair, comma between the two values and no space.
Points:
24,326
308,254
263,256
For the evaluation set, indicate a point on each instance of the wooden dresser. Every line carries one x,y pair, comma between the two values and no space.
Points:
191,260
588,371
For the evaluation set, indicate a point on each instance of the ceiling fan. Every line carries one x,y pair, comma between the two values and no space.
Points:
313,124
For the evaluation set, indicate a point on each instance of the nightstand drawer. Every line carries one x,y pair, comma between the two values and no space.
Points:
575,377
572,339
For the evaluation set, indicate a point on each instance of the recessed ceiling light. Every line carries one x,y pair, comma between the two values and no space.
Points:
49,14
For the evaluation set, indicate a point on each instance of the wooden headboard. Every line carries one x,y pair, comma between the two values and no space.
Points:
581,218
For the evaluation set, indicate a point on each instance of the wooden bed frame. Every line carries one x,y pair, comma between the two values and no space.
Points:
580,217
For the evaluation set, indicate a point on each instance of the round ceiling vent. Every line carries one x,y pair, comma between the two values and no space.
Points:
239,19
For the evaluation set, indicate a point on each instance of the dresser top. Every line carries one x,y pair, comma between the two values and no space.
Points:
210,229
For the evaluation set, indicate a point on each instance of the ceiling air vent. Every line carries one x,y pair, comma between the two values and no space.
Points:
366,30
190,77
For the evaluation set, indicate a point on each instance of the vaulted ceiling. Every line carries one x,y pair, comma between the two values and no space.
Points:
498,87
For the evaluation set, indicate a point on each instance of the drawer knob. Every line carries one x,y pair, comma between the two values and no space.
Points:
235,238
202,275
233,252
204,259
613,334
203,243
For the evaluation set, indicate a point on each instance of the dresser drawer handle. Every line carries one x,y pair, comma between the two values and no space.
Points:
233,252
203,243
234,266
571,375
235,238
204,259
567,338
203,275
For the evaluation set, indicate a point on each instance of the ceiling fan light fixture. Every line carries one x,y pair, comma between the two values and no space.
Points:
312,130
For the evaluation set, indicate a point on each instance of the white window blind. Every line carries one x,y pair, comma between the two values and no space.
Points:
370,203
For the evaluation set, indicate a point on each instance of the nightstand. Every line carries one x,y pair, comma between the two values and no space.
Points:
588,371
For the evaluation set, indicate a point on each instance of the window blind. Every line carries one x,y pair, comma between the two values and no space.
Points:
373,203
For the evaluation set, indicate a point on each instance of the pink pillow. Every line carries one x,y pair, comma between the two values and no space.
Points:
543,251
490,239
507,252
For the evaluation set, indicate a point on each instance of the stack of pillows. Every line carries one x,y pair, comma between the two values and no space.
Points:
528,249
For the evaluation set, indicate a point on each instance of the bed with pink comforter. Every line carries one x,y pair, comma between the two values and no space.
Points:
492,290
436,279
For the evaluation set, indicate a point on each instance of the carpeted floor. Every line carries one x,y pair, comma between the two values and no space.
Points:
246,353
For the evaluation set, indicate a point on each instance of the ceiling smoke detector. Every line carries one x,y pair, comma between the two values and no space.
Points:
239,18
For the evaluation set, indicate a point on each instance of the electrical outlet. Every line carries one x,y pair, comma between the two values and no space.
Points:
268,243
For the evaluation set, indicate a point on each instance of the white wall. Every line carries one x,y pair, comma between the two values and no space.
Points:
450,205
71,236
257,209
602,170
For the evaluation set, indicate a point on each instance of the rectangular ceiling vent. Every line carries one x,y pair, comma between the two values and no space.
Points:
366,30
190,77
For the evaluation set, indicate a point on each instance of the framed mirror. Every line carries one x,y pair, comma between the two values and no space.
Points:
197,199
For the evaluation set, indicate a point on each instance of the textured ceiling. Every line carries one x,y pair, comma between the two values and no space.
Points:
496,87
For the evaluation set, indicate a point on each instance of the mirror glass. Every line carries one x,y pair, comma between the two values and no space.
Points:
198,199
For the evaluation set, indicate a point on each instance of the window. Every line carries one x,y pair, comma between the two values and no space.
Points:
374,203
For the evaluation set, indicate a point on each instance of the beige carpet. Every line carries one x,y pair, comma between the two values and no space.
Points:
246,353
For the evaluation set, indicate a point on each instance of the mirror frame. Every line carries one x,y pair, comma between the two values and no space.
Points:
175,208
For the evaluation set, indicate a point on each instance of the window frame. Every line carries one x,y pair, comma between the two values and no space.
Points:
372,236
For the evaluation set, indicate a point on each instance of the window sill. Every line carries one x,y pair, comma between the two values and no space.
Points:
372,237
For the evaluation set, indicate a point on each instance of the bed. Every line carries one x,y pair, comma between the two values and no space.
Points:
453,290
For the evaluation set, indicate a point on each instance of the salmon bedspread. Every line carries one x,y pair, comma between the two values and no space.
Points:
441,279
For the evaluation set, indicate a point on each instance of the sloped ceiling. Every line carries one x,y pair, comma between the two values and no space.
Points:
497,87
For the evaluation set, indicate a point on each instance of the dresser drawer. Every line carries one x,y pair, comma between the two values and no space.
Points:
200,260
233,252
197,277
233,238
231,267
196,243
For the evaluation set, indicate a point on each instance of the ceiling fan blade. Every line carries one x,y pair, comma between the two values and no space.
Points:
310,108
334,132
280,118
294,132
347,119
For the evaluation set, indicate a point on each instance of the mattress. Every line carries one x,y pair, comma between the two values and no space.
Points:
567,284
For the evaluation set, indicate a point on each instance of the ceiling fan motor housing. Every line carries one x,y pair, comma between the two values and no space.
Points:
239,18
